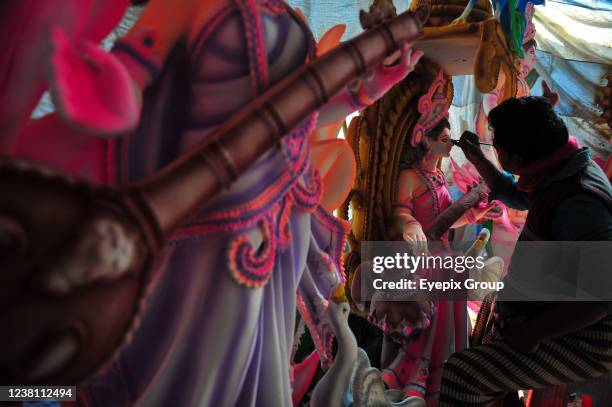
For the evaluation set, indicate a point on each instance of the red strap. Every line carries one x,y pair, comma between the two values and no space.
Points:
256,45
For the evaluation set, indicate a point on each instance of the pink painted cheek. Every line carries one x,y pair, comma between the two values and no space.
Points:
527,63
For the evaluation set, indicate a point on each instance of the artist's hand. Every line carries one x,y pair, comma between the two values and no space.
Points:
390,72
91,88
519,336
415,237
553,97
470,144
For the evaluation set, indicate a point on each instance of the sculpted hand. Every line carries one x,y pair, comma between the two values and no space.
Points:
385,76
415,237
364,91
553,97
90,87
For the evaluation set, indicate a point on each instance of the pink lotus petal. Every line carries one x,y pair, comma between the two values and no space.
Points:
503,218
465,176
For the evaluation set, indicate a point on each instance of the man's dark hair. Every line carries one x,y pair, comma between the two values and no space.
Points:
527,127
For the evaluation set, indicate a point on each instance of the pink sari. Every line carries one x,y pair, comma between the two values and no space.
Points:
417,369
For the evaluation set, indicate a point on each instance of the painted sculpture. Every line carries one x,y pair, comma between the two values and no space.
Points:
400,141
498,94
607,103
26,28
477,46
377,138
236,246
330,155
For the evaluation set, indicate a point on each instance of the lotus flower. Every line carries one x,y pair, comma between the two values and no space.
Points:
466,177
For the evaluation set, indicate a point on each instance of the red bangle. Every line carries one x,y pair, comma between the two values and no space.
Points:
412,222
363,96
360,99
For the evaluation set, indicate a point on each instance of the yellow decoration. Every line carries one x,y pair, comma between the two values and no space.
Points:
492,57
338,295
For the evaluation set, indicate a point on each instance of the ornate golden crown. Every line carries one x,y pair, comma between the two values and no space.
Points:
530,30
433,107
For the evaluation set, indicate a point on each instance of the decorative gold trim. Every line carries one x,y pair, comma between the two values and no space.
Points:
493,56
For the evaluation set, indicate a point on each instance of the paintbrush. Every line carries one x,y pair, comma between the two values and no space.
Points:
456,142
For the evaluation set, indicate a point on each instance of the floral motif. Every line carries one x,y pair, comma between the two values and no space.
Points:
433,107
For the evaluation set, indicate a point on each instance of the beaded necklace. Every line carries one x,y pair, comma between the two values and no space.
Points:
433,180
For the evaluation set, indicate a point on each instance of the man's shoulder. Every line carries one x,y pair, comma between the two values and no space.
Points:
587,184
594,179
583,216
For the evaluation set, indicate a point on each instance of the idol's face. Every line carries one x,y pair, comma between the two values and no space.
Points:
528,62
442,146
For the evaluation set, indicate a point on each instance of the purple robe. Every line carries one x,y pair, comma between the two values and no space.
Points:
218,326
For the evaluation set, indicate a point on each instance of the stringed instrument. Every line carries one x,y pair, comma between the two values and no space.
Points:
60,319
